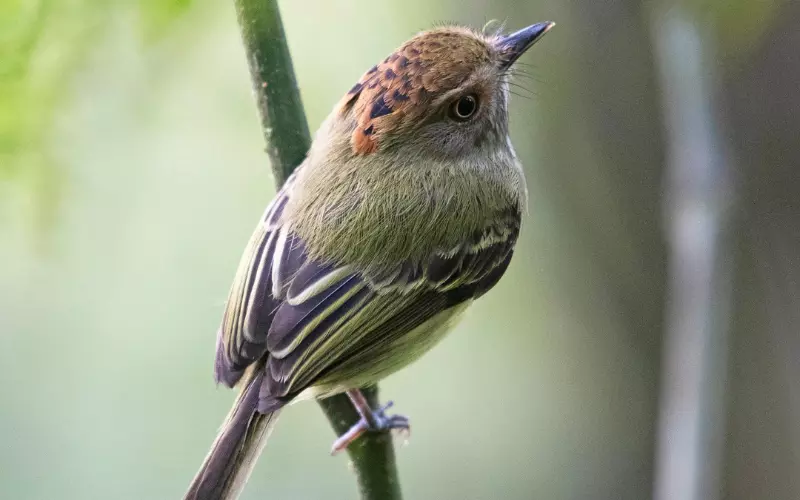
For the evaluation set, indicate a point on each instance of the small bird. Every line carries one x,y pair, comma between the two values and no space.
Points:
405,210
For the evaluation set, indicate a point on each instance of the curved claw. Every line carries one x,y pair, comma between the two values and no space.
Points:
372,421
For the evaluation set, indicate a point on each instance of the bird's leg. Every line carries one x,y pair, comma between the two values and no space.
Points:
370,421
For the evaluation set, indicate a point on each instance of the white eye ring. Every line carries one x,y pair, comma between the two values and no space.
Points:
463,108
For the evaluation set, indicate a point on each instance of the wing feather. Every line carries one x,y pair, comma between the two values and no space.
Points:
321,323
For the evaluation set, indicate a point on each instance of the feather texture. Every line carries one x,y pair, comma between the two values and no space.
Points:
400,88
233,455
400,216
323,327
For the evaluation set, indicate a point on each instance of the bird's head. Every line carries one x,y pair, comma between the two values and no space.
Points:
443,94
416,155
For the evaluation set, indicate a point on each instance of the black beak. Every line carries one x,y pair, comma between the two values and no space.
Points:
515,44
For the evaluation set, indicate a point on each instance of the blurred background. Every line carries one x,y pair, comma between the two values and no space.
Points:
645,343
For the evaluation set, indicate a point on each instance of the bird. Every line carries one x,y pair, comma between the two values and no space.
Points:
405,210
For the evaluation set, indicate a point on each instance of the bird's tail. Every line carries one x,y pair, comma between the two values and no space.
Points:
239,442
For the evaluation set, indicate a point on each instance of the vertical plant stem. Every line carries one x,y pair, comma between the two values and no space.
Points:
282,117
286,134
372,454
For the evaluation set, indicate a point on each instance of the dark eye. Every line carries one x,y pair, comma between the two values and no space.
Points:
462,109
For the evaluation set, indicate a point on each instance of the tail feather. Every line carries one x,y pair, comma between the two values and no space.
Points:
239,443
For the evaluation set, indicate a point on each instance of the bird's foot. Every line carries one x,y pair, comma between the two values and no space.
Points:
371,421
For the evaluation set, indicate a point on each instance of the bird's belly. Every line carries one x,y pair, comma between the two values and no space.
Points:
391,357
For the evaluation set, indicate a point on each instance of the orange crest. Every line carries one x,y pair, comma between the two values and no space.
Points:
397,91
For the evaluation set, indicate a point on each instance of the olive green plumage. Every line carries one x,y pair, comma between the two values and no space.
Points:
401,205
406,209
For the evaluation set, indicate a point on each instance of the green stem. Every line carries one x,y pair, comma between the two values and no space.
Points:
372,454
286,134
282,117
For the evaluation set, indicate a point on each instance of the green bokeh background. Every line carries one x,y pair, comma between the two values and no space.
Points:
132,171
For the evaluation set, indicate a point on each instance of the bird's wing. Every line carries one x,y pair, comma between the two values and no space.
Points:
314,319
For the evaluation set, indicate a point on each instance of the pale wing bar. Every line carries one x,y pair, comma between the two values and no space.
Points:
312,319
